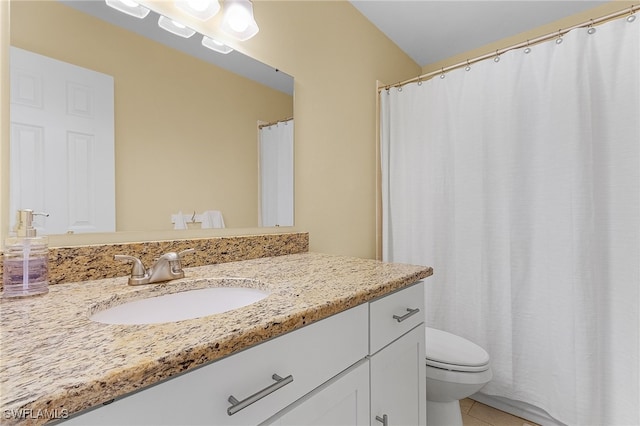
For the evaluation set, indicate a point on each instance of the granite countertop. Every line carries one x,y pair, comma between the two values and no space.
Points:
56,361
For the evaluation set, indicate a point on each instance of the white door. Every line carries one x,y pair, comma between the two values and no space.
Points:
62,144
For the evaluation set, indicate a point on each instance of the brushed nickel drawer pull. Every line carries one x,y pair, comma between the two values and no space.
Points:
384,419
240,405
410,312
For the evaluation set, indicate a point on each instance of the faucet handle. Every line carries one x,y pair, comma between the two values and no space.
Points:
187,251
137,270
177,266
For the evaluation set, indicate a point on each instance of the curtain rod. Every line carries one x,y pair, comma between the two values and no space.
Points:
260,126
630,11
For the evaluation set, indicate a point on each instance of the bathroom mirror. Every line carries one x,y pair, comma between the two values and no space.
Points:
186,127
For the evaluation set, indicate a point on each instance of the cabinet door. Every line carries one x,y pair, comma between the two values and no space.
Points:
398,382
343,401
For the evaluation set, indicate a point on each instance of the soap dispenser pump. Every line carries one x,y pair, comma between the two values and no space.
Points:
25,259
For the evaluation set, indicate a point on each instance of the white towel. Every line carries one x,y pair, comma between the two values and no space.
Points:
212,219
179,221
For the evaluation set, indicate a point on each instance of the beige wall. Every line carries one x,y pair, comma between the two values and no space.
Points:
185,130
336,57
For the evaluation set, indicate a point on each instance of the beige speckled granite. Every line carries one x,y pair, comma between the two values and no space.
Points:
54,357
75,264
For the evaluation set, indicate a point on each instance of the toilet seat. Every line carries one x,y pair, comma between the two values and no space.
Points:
450,352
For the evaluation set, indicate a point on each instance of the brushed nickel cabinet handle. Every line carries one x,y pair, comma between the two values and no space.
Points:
384,419
410,312
241,405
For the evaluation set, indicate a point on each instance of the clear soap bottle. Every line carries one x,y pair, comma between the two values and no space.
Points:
25,270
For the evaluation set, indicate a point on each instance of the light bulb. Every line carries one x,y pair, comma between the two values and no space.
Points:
238,21
200,9
238,18
175,27
215,45
129,7
199,5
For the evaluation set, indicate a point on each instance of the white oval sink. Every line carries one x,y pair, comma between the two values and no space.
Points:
180,306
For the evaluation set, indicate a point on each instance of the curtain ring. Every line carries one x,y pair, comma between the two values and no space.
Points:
442,73
497,57
468,67
632,15
559,39
527,49
419,81
591,29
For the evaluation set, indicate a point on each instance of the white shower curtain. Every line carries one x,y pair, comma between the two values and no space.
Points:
518,181
276,174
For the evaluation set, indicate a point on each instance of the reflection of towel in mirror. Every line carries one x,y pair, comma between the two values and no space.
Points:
212,219
179,222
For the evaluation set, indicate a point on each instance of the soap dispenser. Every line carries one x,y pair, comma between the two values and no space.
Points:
26,259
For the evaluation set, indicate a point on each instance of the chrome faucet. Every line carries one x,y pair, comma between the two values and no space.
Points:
167,267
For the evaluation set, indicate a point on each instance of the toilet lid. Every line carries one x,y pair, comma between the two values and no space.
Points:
446,350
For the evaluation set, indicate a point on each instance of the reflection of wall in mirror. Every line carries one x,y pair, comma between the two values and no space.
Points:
185,130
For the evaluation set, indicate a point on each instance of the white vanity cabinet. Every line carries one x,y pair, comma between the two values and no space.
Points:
347,369
390,387
303,359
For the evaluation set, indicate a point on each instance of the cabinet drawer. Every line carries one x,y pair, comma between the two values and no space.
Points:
394,315
311,356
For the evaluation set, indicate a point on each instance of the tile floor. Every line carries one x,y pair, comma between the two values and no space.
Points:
477,414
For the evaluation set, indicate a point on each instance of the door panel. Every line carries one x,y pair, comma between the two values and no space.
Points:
62,144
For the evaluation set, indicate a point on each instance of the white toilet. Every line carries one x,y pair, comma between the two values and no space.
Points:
456,369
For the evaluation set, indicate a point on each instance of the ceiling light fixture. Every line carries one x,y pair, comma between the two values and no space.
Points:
200,9
215,45
129,7
238,20
175,27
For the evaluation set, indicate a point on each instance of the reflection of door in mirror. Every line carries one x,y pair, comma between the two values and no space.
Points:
62,144
276,173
